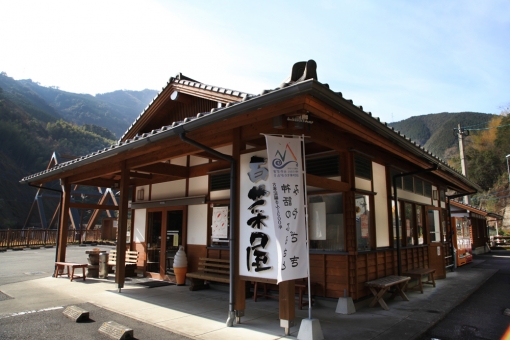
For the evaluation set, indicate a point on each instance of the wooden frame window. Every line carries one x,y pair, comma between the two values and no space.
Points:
364,225
326,222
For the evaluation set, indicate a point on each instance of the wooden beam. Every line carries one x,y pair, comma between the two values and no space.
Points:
326,183
165,169
204,169
64,221
92,206
134,174
122,228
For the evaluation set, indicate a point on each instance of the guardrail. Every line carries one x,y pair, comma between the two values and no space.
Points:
16,238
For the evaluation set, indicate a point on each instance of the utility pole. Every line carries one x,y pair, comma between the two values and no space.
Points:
460,132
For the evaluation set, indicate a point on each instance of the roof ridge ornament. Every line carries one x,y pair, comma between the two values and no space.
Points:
301,71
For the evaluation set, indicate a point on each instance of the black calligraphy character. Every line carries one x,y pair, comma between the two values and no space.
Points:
285,253
294,213
258,240
287,201
288,214
296,190
285,188
257,221
294,236
283,265
256,193
257,172
294,261
286,239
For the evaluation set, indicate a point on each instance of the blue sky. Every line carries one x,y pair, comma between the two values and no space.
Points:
395,58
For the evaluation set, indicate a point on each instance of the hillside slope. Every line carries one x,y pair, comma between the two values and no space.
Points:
435,131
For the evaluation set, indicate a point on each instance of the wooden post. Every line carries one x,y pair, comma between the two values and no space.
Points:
287,301
28,237
120,271
239,285
8,238
64,221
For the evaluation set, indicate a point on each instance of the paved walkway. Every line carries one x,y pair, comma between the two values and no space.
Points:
203,314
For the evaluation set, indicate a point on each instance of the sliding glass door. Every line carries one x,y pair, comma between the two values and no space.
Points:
164,235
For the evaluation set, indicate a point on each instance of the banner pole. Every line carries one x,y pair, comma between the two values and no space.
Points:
306,227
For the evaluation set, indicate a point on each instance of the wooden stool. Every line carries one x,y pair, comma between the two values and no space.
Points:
59,269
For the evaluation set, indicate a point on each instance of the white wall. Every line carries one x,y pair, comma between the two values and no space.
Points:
172,189
197,224
363,184
411,196
139,225
382,231
198,185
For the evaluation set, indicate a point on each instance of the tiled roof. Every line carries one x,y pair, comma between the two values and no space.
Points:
182,80
245,97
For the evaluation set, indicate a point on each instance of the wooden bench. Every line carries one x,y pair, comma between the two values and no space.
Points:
70,267
300,285
209,269
418,273
130,261
380,286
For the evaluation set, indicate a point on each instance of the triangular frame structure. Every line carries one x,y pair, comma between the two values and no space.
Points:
106,198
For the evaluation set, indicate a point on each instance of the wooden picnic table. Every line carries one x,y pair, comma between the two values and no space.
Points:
380,286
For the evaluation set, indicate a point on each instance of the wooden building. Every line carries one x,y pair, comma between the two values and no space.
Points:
181,159
470,232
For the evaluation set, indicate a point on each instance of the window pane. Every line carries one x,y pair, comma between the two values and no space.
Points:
362,203
419,223
434,226
326,217
394,219
363,167
409,224
418,186
408,183
398,179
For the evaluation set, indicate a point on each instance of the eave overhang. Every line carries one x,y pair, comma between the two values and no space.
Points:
250,103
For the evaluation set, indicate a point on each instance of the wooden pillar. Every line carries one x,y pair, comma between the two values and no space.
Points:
120,268
287,306
239,285
64,221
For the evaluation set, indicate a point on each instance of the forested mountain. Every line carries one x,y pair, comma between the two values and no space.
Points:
35,121
114,111
435,131
485,150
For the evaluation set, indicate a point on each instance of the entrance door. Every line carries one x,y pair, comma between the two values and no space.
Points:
436,246
164,235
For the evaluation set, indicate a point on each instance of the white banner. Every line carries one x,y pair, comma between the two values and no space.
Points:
287,192
257,246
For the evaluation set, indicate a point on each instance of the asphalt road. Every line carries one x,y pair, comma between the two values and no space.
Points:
481,316
50,322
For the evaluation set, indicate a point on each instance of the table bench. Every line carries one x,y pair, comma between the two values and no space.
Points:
209,269
418,273
130,261
380,286
301,287
70,267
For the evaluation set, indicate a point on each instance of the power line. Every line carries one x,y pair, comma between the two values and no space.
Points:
489,128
